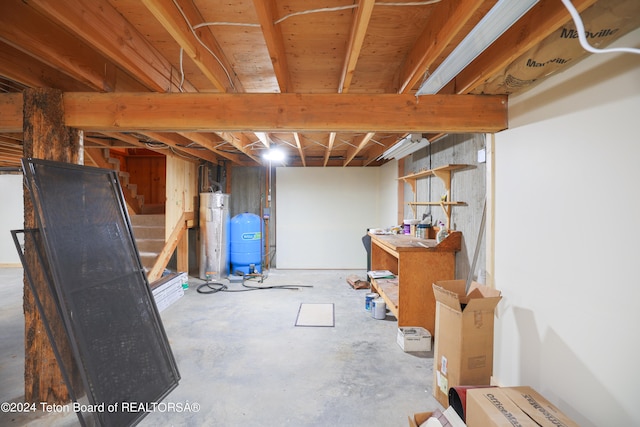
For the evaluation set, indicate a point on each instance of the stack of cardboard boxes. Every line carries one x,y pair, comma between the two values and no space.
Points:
505,407
463,356
463,353
512,406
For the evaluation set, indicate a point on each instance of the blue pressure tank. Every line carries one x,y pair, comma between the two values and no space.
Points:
246,243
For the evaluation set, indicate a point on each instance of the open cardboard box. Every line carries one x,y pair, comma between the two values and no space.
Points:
418,418
463,353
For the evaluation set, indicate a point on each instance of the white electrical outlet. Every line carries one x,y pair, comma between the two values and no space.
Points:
482,156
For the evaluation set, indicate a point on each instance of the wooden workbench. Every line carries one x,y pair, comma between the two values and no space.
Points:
417,264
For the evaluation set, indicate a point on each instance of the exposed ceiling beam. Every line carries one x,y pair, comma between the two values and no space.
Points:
327,153
448,23
296,137
179,20
176,112
353,151
239,141
358,31
168,139
177,144
97,140
129,139
106,30
212,142
275,43
20,67
541,21
24,28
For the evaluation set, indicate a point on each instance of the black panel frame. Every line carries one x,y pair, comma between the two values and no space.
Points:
107,307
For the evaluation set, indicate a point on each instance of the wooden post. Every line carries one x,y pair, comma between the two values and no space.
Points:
45,137
182,252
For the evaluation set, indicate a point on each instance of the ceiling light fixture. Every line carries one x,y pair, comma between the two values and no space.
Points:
498,20
274,155
407,145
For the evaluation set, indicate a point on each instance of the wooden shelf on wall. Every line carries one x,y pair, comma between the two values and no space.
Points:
444,174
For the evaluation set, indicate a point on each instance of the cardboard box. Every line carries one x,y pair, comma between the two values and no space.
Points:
419,418
487,407
463,353
499,407
446,418
414,338
537,407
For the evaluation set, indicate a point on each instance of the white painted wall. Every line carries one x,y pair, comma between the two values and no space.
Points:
11,217
323,213
567,233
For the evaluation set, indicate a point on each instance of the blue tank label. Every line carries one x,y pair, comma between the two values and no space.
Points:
252,236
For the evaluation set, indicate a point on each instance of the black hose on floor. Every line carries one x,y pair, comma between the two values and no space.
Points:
215,287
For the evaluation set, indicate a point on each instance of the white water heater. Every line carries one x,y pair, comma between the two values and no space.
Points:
214,236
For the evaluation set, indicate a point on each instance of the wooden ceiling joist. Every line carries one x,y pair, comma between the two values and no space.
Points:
99,24
358,31
446,25
353,151
296,137
212,142
327,152
179,20
69,55
24,68
265,10
319,78
178,145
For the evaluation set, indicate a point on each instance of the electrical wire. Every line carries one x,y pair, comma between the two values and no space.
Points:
582,33
306,12
215,287
193,31
181,71
232,24
192,28
408,3
353,6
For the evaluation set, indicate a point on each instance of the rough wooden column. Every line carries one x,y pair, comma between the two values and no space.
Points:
45,137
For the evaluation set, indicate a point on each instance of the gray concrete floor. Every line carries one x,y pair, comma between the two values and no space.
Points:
244,362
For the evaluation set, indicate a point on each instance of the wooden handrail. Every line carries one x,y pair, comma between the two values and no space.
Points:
170,246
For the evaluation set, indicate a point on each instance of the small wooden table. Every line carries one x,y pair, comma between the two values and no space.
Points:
417,264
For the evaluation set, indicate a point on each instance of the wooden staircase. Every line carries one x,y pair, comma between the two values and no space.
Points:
102,159
148,221
148,231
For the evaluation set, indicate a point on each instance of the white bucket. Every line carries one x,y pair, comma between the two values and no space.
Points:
379,309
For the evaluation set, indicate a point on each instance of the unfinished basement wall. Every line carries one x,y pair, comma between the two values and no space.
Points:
467,185
567,227
247,189
11,217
